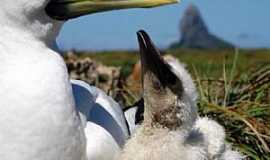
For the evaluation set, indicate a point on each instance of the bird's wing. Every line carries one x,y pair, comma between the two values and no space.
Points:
96,107
111,107
134,115
100,143
213,134
130,115
84,99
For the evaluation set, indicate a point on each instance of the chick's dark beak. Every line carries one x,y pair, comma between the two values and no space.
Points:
152,61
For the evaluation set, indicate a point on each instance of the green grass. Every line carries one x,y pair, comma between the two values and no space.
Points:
207,62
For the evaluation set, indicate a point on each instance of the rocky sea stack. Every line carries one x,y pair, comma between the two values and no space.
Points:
195,34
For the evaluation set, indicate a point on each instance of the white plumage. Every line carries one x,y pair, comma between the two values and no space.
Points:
130,116
213,133
206,140
196,138
38,117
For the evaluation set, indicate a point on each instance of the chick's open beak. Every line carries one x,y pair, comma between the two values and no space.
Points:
67,9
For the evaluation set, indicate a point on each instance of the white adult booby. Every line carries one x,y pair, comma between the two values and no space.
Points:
38,117
171,128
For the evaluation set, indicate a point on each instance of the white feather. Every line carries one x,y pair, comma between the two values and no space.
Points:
96,107
38,116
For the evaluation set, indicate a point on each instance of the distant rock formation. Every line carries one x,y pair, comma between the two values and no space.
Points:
195,34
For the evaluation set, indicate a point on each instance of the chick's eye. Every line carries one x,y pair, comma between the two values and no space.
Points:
157,85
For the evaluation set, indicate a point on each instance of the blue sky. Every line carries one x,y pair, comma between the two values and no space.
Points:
245,23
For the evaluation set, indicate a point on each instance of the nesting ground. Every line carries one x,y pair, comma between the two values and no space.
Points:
234,88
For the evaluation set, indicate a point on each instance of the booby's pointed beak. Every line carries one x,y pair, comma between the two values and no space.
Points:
153,63
67,9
